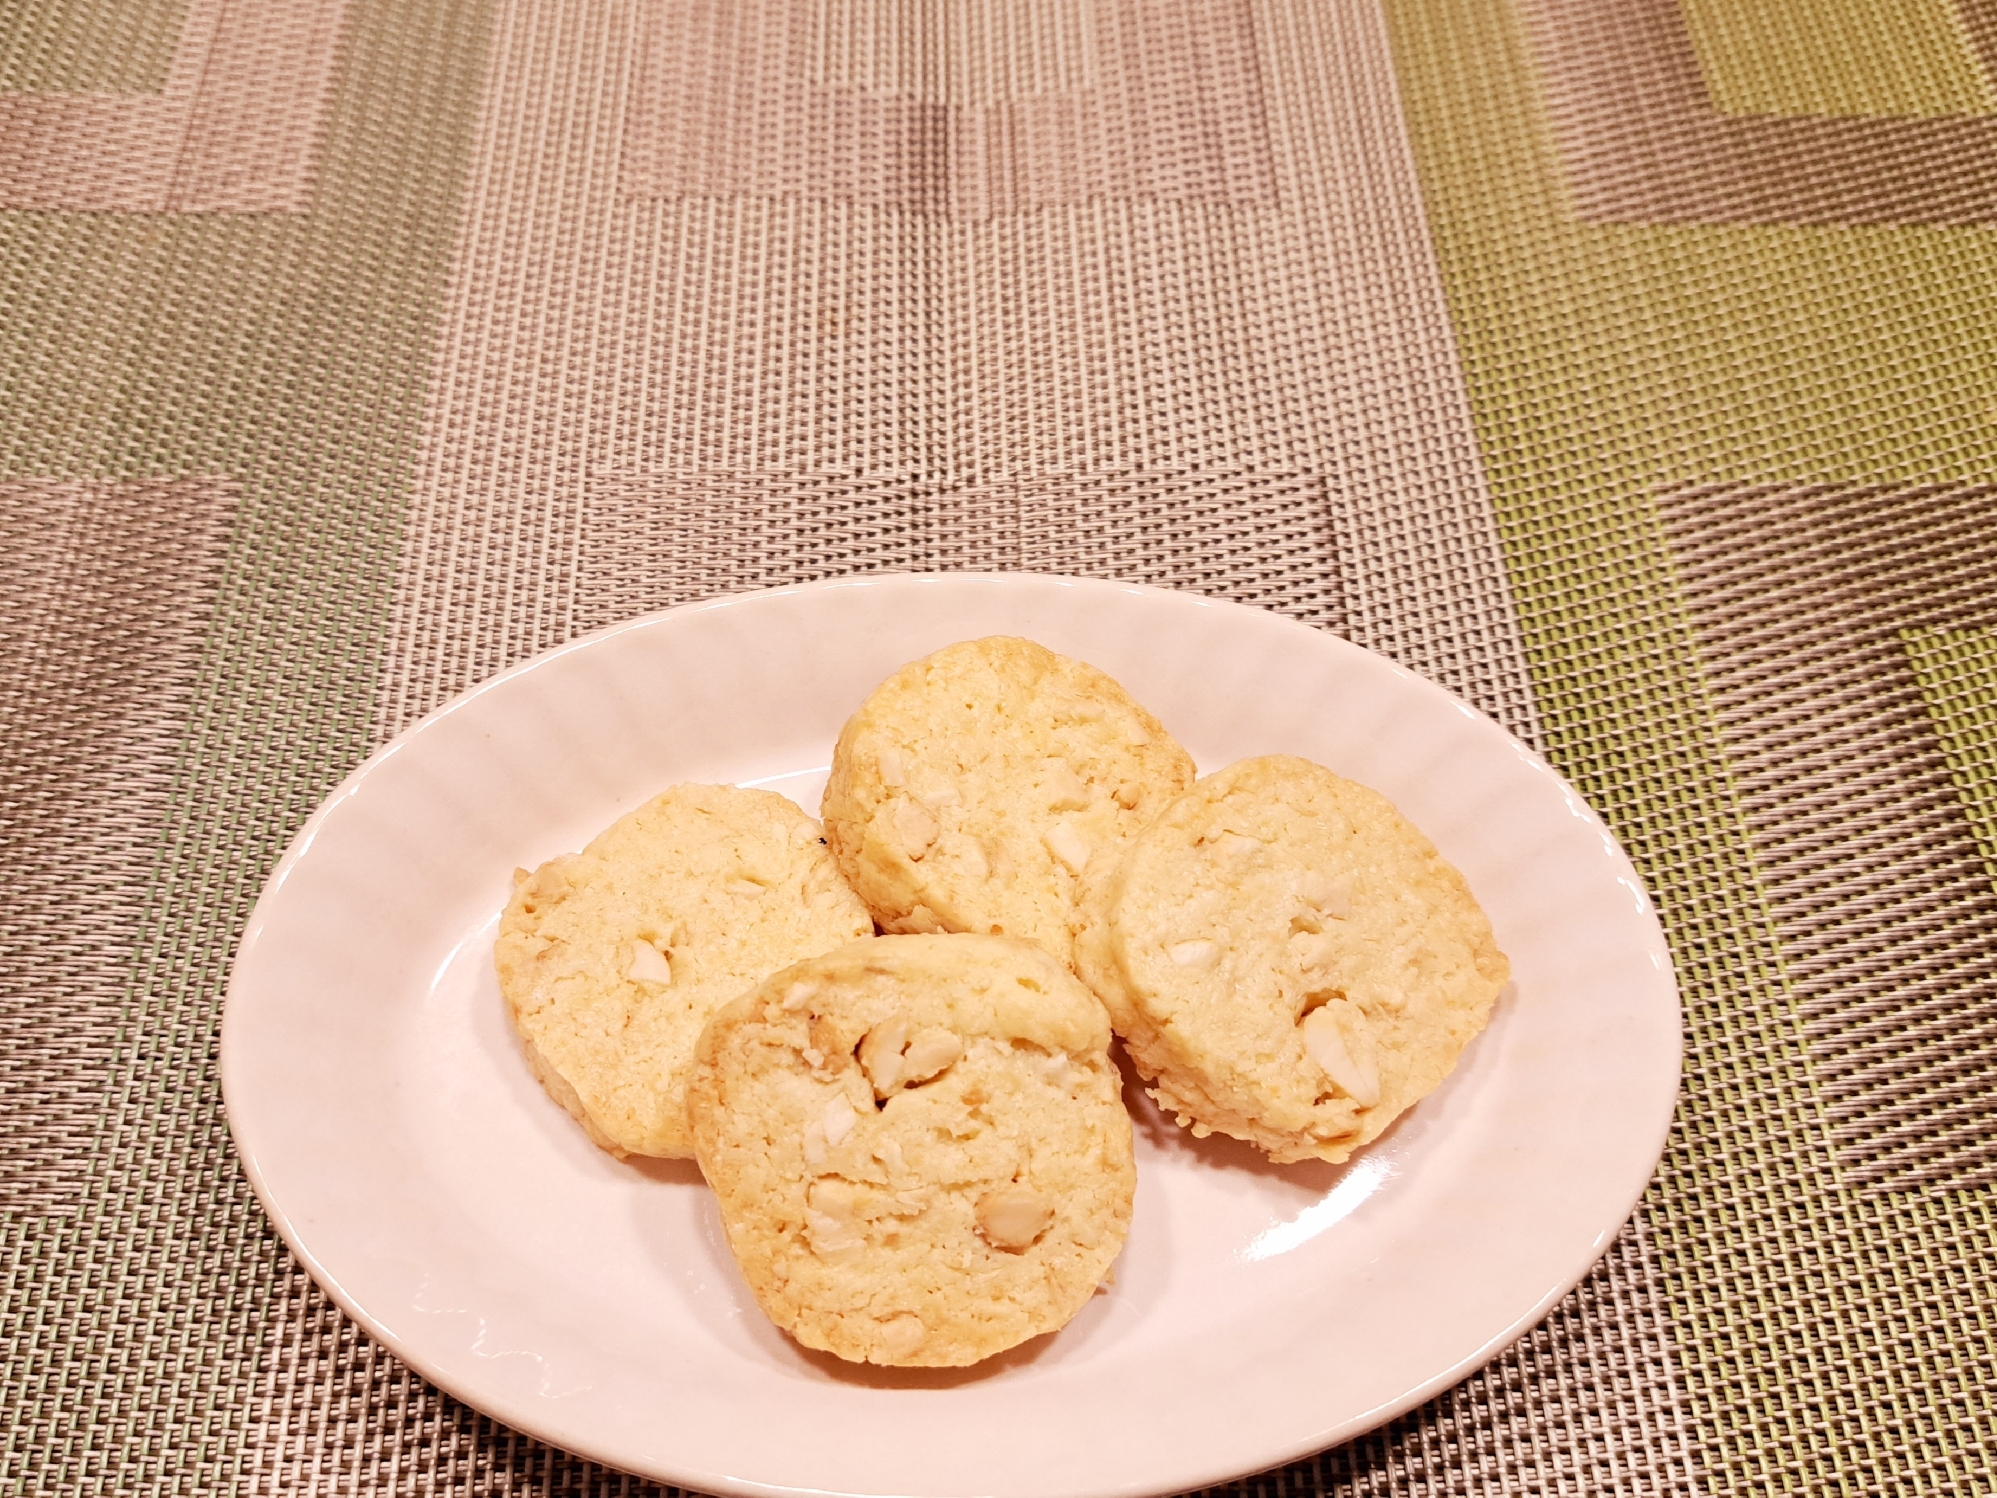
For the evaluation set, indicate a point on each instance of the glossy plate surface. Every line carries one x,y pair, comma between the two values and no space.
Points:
392,1130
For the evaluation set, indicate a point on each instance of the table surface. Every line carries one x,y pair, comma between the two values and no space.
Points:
1627,366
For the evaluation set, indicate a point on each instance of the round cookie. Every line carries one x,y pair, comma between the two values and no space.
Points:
613,958
919,1146
1288,960
974,789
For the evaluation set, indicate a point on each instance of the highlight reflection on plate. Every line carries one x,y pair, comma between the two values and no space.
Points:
1362,1178
1259,1312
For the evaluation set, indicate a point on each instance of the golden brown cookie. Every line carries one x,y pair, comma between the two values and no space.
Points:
919,1146
1288,959
613,958
975,789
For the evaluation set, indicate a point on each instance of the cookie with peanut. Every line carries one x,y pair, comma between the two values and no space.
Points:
975,789
918,1145
612,959
1288,959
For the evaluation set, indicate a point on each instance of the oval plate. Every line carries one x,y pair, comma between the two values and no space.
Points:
390,1126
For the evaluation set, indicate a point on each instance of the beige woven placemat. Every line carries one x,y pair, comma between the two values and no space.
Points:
1630,368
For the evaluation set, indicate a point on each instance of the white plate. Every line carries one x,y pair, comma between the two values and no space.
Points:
391,1128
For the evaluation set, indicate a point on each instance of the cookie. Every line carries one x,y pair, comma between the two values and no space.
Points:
1288,960
975,789
613,958
918,1145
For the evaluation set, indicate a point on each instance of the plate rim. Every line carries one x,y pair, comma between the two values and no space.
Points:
298,849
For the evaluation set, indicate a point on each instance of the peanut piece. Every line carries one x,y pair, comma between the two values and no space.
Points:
880,1055
836,1198
902,1335
1068,845
834,1219
1014,1216
1065,789
831,1239
645,963
1326,1043
929,1055
829,1226
892,1059
839,1119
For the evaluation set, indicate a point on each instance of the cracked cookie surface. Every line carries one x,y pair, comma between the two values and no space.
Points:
612,959
918,1145
1288,959
975,789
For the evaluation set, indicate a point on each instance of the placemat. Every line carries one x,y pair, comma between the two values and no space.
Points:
1627,366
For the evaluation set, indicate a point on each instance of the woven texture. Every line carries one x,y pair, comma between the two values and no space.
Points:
1628,366
1956,671
106,594
1887,913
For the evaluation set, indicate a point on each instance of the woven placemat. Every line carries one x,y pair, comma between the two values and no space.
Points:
1629,367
